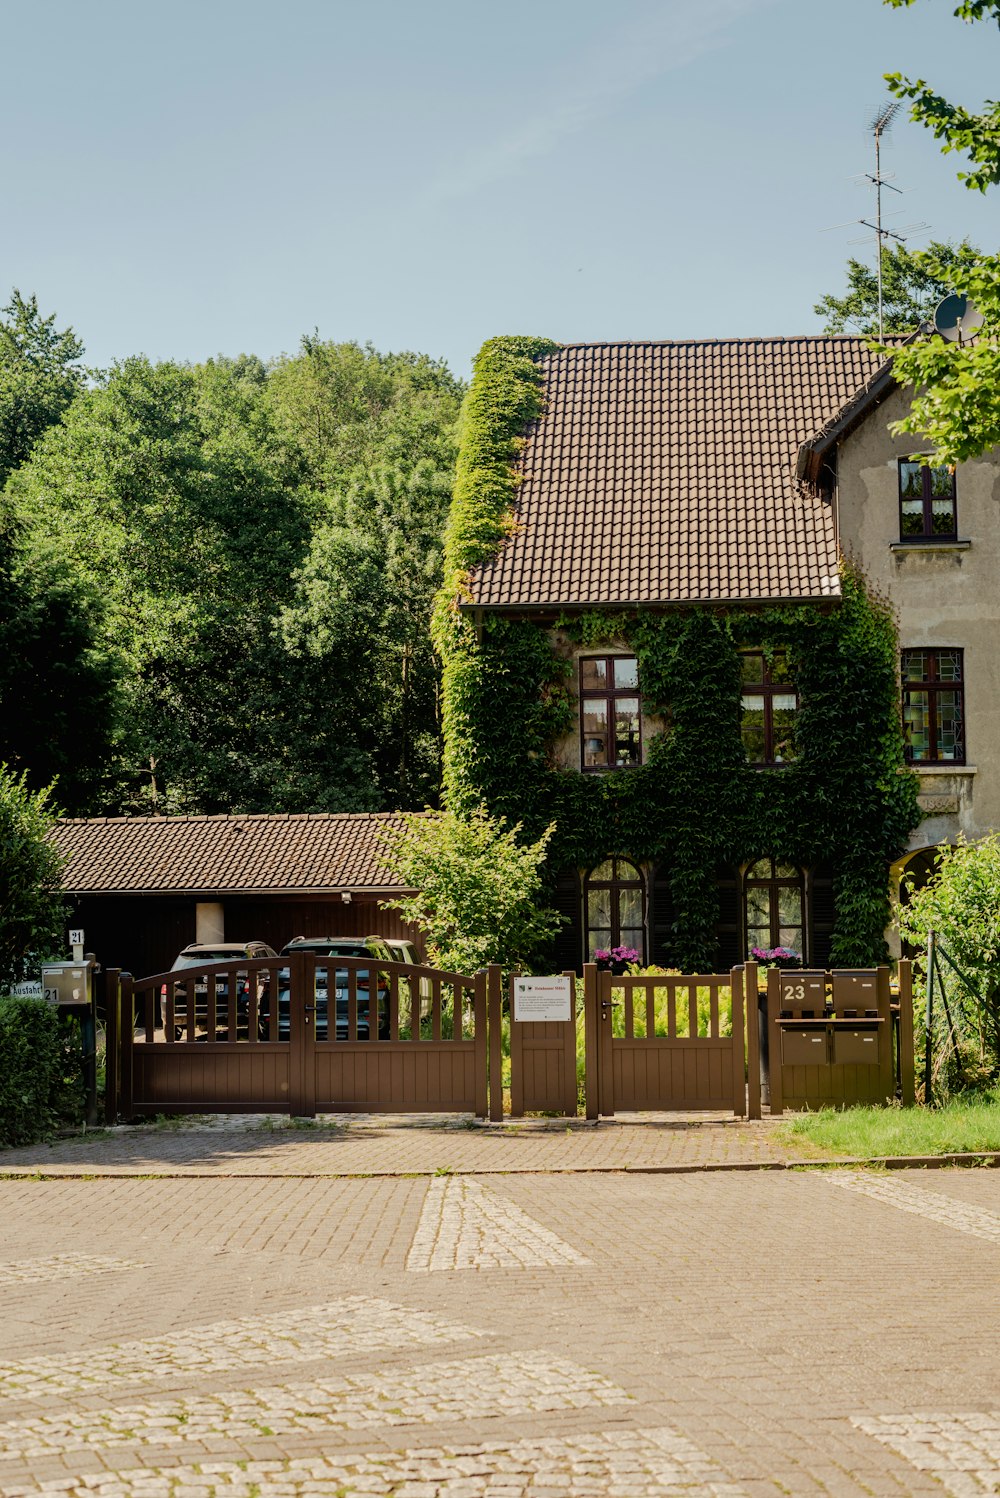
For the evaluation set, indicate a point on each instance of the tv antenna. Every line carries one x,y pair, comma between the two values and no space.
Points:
879,126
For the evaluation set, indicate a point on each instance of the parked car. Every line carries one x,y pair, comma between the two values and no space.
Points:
201,954
333,946
402,950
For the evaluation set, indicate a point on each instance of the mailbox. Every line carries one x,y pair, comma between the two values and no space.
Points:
856,1048
802,991
856,990
69,984
804,1047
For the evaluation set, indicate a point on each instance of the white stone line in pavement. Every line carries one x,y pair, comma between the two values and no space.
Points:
962,1216
961,1451
463,1225
654,1463
60,1266
353,1325
475,1388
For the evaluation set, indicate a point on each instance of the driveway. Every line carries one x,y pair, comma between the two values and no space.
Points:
550,1333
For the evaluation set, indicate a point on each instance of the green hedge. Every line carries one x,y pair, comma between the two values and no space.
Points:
40,1071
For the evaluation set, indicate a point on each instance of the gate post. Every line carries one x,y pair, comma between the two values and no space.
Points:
302,1030
884,1001
126,1039
479,1002
751,1005
907,1061
591,1036
774,1062
494,980
112,1059
739,1050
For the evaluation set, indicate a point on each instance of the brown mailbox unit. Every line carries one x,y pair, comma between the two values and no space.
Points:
830,1038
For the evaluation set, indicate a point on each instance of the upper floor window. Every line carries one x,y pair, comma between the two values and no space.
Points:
609,712
769,702
934,706
926,501
615,897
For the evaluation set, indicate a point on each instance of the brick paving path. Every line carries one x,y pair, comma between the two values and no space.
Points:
545,1334
371,1147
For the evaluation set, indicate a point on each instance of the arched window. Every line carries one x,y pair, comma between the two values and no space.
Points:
773,902
615,906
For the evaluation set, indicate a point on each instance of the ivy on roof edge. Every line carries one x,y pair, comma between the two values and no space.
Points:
504,397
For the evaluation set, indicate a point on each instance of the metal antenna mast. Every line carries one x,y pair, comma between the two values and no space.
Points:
879,126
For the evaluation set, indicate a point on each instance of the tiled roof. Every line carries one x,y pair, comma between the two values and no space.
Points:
665,472
224,854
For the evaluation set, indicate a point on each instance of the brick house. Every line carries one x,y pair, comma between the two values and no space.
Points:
728,480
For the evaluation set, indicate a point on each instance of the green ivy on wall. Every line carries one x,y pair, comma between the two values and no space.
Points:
695,804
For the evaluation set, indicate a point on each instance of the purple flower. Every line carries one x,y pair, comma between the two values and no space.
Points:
623,954
602,955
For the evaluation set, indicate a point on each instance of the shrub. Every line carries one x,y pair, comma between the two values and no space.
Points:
40,1073
32,908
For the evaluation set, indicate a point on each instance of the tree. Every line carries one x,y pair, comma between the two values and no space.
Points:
478,888
31,902
961,904
910,289
40,374
957,385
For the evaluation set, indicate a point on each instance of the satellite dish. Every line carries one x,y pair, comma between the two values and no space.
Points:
956,318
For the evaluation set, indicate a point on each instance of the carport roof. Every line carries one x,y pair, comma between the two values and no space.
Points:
315,853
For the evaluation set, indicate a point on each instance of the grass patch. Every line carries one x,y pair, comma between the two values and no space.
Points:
963,1125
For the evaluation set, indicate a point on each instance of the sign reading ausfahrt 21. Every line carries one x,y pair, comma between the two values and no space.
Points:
543,999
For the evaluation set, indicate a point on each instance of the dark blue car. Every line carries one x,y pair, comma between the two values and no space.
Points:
333,946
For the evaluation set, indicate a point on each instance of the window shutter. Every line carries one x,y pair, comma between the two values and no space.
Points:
822,915
567,948
661,917
729,927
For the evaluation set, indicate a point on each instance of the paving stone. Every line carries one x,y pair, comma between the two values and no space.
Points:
961,1451
61,1266
908,1197
351,1325
655,1463
475,1388
464,1225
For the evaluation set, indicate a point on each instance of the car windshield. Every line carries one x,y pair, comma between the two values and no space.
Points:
198,959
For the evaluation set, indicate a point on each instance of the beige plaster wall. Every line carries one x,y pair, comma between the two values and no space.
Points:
944,595
566,751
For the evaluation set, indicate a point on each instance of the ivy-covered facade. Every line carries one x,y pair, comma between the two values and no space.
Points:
723,765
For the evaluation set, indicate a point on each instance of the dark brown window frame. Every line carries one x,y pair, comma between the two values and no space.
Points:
768,689
608,696
614,885
772,885
928,534
932,686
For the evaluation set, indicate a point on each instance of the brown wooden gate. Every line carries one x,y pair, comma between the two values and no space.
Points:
665,1042
302,1034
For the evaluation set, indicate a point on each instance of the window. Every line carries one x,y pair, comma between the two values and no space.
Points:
926,502
934,707
615,901
770,703
609,712
773,903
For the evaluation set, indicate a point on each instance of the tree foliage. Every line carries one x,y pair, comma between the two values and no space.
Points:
961,904
40,374
31,903
479,888
913,283
263,546
957,385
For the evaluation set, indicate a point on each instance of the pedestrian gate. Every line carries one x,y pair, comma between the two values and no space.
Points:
301,1034
665,1042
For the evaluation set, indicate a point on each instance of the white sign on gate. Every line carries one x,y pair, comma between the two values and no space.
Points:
543,999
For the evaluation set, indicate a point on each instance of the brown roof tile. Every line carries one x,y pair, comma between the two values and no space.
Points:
223,854
665,472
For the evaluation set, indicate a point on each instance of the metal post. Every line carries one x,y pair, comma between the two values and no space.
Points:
928,1022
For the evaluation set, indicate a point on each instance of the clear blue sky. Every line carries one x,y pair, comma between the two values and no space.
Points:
213,176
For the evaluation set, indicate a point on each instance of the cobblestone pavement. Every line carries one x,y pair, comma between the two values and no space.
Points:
563,1336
